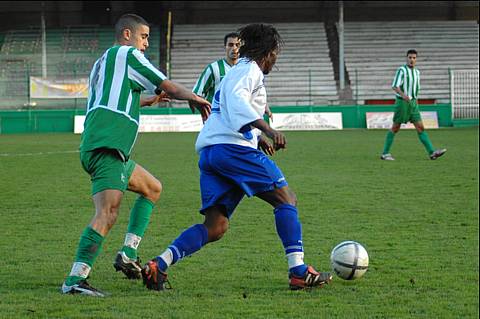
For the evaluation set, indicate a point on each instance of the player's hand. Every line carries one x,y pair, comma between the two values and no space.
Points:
202,105
155,99
406,98
278,139
265,146
164,97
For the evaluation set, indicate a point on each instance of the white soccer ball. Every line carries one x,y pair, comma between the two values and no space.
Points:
349,260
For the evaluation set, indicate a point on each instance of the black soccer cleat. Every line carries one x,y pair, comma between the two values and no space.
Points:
82,288
130,267
154,278
311,279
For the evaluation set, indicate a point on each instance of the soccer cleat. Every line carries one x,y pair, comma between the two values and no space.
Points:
82,288
437,153
311,279
130,267
154,278
387,157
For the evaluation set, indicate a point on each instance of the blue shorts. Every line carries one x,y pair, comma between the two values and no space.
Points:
228,172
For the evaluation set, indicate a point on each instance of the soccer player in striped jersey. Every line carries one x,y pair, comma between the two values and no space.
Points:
212,75
406,85
231,166
110,131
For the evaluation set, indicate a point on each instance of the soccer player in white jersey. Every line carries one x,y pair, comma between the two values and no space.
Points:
406,86
231,165
212,75
111,128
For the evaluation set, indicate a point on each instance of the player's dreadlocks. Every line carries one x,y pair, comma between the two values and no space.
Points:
128,21
258,40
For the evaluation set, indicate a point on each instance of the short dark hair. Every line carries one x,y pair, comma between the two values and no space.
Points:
258,40
412,51
128,21
229,35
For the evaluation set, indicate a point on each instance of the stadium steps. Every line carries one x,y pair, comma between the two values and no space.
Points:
303,73
374,50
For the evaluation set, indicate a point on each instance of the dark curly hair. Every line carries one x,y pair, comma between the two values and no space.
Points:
258,40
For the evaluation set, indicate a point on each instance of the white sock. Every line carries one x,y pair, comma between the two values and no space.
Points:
295,259
80,270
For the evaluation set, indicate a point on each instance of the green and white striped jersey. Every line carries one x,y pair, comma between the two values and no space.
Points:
113,105
408,80
210,79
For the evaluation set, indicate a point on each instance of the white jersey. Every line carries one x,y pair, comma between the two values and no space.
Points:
241,99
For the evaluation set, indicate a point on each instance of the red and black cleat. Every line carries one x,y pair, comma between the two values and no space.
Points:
312,278
154,278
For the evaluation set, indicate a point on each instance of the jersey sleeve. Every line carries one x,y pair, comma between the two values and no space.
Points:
398,80
204,82
240,110
142,71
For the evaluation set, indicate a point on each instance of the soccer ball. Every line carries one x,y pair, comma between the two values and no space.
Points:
349,260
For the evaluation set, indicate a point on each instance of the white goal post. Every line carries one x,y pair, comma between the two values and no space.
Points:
464,94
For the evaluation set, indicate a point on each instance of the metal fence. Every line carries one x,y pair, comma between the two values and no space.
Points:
464,94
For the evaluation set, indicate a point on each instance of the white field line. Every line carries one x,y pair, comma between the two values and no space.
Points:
36,154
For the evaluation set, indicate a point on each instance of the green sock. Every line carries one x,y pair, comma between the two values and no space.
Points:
139,220
388,142
426,142
88,249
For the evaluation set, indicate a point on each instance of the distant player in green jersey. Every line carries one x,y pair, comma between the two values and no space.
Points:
110,131
406,86
213,73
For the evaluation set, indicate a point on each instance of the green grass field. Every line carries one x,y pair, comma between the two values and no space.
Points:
418,219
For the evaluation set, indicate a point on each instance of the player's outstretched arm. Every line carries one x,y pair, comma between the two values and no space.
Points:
155,99
278,139
179,92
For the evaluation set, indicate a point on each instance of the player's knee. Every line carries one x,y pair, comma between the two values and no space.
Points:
292,200
215,232
155,191
287,196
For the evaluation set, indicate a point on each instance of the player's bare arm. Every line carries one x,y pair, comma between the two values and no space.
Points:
268,112
155,99
403,95
179,92
278,139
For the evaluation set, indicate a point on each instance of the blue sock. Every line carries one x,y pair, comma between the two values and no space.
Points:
289,229
190,241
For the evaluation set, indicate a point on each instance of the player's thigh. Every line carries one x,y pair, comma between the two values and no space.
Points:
106,169
143,182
